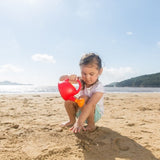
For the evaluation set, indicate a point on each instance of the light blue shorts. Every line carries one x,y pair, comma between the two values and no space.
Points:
97,114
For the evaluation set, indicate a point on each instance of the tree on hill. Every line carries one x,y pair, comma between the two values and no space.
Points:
150,80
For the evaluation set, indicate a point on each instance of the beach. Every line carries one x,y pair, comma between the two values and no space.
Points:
30,129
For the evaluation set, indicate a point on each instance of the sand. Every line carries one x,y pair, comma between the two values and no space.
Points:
129,129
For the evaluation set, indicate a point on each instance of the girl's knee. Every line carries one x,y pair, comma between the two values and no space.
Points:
68,102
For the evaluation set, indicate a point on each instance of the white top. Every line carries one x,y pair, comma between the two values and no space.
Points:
97,87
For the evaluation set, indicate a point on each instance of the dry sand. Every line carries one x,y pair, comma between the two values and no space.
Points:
129,129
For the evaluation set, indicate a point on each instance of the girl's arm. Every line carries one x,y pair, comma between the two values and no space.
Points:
91,104
85,112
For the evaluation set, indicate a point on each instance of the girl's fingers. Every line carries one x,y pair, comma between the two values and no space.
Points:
84,128
73,77
71,128
77,129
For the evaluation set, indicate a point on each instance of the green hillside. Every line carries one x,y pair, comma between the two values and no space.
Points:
150,80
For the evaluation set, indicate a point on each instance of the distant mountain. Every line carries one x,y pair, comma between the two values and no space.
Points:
150,80
12,83
111,84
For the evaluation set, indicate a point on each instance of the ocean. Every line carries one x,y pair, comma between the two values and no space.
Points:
31,89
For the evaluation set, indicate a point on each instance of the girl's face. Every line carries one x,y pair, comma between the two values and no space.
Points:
90,74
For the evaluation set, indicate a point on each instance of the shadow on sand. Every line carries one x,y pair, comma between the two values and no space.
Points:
106,144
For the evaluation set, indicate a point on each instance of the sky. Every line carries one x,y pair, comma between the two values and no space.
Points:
40,40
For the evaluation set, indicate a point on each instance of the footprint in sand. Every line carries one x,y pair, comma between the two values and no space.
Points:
121,144
15,126
131,124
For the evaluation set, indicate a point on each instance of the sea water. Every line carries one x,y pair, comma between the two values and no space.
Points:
31,89
27,89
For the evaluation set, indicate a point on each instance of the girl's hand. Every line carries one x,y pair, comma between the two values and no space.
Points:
73,78
77,128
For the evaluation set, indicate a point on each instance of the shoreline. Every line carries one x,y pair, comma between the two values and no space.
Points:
54,90
58,94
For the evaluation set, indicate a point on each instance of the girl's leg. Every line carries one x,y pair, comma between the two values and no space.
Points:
71,109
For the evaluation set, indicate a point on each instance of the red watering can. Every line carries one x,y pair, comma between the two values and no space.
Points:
68,91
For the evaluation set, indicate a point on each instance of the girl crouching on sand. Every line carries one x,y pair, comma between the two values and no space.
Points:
92,91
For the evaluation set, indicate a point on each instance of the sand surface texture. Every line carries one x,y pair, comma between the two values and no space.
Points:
129,129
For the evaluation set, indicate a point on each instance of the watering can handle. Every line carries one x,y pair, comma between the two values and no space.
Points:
79,82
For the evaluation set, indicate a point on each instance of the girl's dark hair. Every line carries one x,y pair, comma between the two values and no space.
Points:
90,59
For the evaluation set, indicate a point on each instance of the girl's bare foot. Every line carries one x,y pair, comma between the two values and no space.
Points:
91,128
67,124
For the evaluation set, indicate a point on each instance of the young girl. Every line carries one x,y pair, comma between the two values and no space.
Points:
92,92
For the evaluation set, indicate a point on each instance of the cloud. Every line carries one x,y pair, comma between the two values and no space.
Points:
43,58
10,68
129,33
110,75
